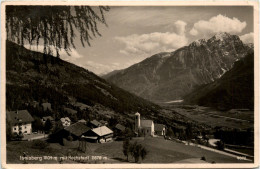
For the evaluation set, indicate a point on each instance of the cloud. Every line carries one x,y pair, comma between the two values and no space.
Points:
248,38
63,55
180,27
147,44
218,24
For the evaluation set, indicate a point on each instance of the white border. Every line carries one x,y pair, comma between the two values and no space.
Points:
255,4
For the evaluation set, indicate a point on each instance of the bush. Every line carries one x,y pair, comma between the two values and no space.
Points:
220,145
39,144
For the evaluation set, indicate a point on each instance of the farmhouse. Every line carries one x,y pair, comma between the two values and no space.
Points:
65,121
80,106
21,121
99,135
145,127
159,129
44,119
76,130
46,106
70,111
83,121
94,124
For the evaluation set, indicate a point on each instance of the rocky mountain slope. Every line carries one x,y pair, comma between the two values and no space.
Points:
235,89
35,76
170,76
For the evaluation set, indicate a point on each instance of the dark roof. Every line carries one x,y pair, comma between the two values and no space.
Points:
158,127
70,111
77,129
81,106
103,122
120,127
46,106
95,122
19,116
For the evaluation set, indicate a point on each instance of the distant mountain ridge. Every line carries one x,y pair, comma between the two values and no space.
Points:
169,76
35,76
235,89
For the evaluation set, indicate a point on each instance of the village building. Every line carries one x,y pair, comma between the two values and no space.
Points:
99,135
83,121
46,106
94,124
143,127
103,122
34,104
65,121
45,118
119,131
70,111
80,106
159,129
119,128
75,130
21,121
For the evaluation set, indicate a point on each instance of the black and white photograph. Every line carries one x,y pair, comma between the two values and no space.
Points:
130,84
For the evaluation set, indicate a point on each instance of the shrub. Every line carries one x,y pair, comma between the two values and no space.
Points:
220,145
39,144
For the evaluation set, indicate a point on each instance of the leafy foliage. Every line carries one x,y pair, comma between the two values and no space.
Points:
55,26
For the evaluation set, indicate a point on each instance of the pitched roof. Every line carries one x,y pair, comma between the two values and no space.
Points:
19,116
47,117
46,106
81,106
77,129
69,110
146,123
82,121
159,127
102,131
120,127
103,122
95,122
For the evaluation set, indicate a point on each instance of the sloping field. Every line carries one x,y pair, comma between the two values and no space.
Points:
159,151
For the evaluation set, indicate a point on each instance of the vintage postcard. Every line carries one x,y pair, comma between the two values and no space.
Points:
129,84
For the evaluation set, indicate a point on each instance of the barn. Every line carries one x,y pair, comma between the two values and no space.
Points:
99,135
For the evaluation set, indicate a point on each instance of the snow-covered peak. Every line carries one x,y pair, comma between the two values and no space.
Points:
222,35
198,42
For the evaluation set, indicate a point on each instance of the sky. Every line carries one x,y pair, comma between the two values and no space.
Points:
135,33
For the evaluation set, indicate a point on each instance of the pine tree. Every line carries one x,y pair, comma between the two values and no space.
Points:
53,26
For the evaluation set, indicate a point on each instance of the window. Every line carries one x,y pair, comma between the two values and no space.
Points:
15,128
25,131
25,127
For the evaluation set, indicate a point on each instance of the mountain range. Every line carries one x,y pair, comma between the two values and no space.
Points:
235,89
170,76
33,76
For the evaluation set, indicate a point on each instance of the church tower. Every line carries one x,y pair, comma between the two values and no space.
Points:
137,121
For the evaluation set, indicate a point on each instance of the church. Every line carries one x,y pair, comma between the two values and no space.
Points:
145,127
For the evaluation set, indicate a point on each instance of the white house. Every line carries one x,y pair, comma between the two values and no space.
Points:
21,121
145,127
65,121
